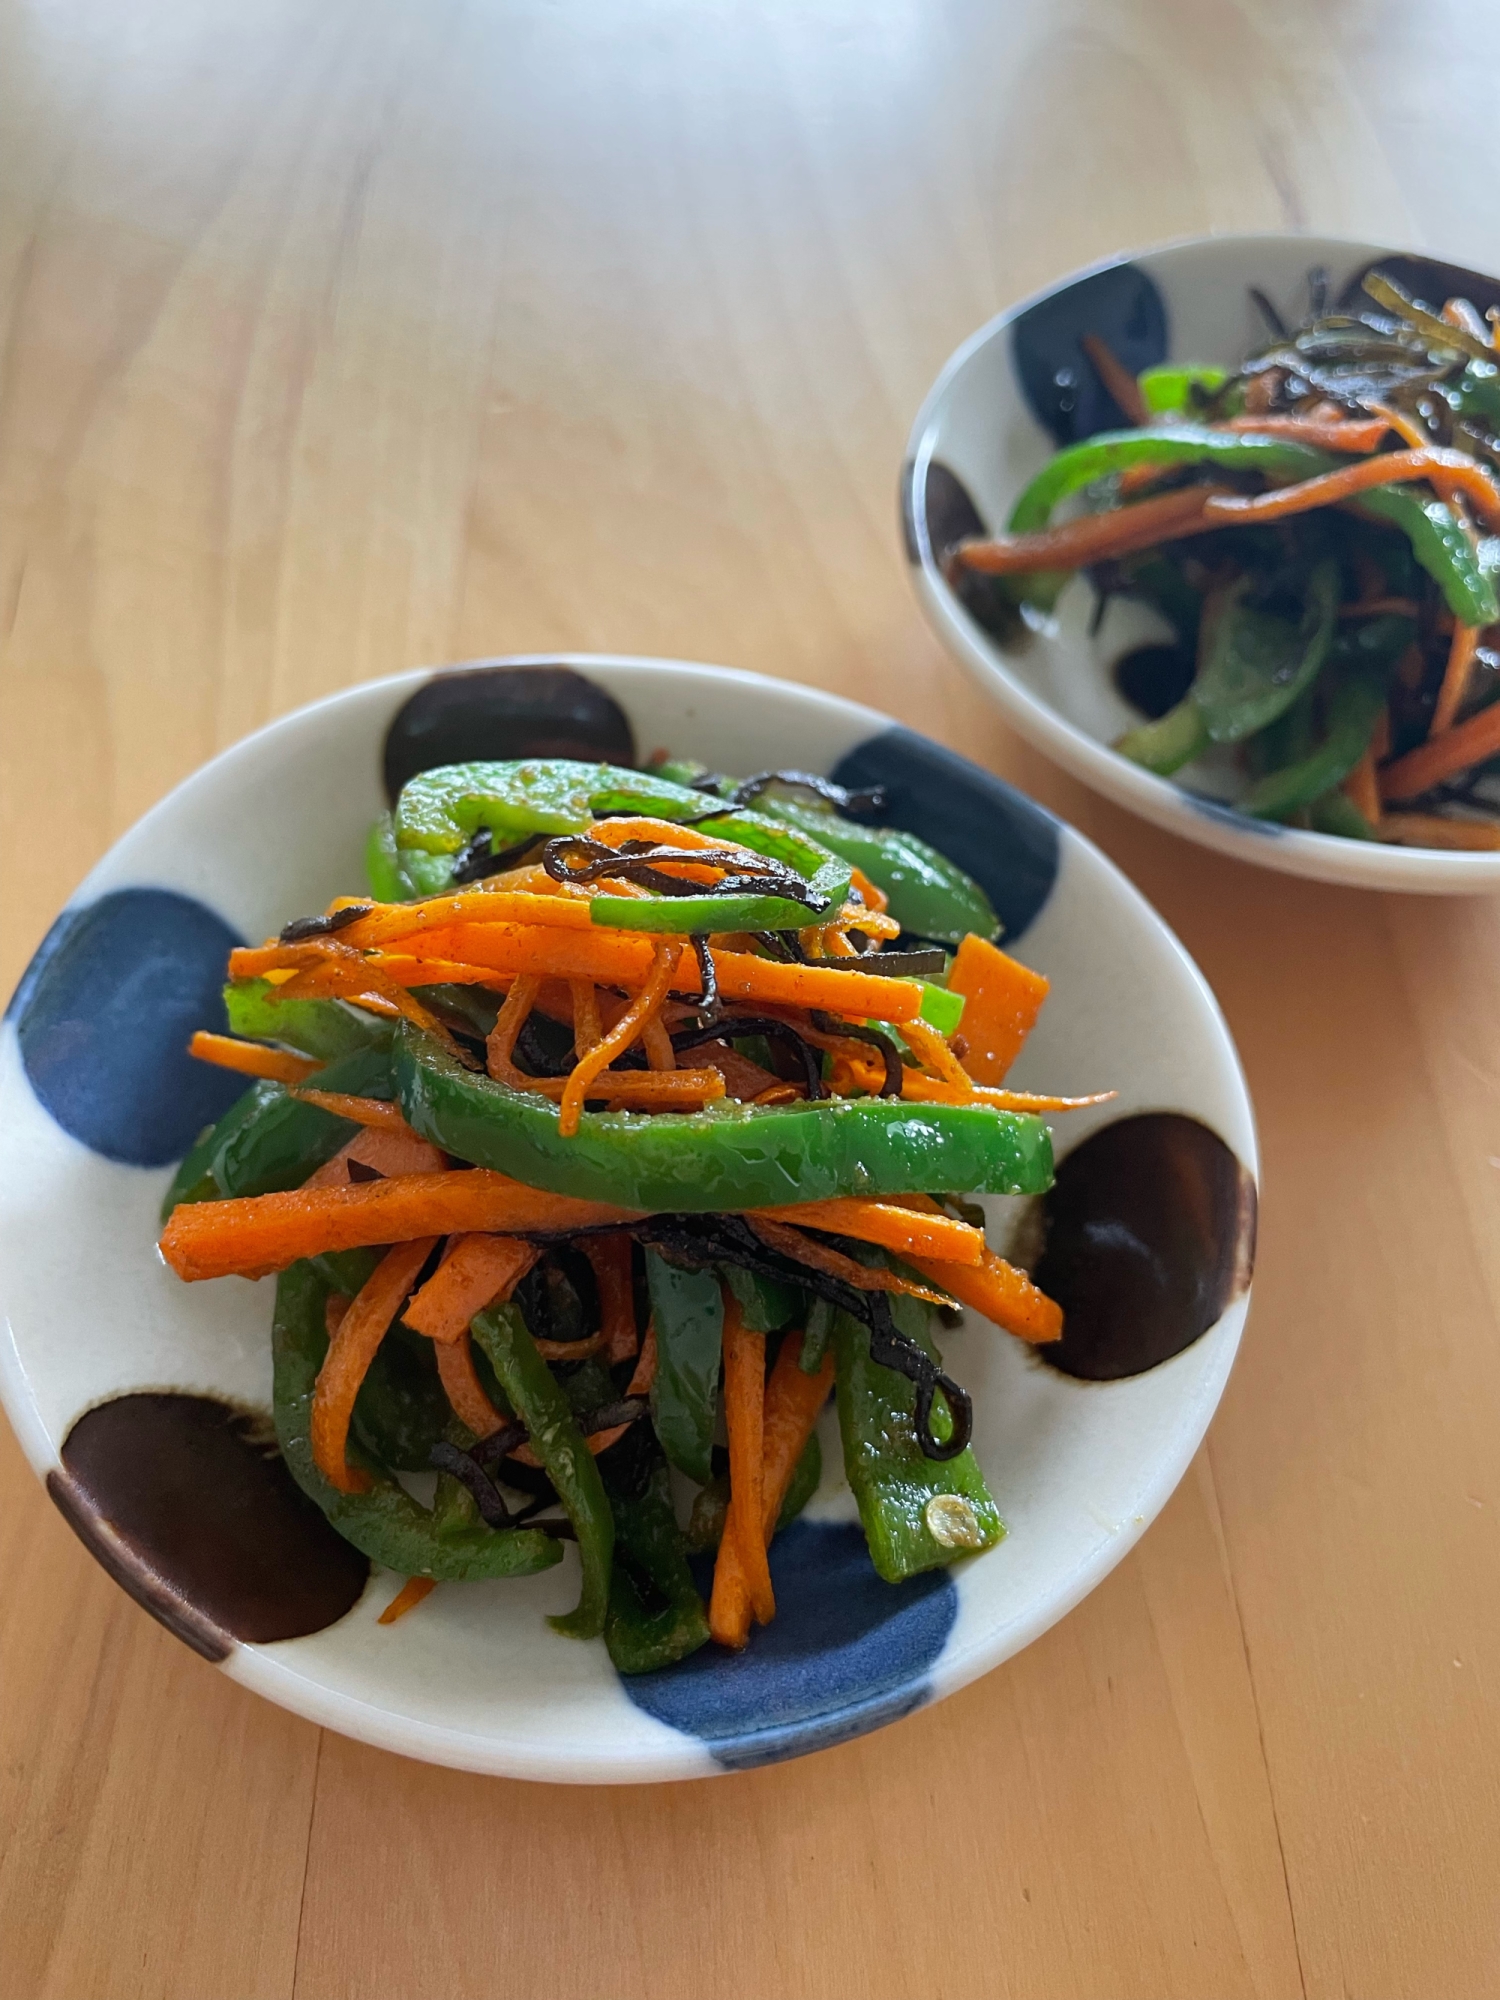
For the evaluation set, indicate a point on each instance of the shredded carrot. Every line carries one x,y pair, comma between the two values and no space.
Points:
822,1257
929,1047
1408,829
1092,537
1136,478
463,1388
407,1598
744,1415
1116,377
633,1089
1002,1293
1468,742
658,1046
924,1089
392,923
586,1029
386,1153
331,959
645,1367
793,1403
610,1259
476,1271
1380,740
251,1058
1328,433
619,1038
880,1222
597,1441
1420,438
1387,468
501,1044
374,1112
255,1234
779,1093
1461,650
1002,999
875,899
350,1352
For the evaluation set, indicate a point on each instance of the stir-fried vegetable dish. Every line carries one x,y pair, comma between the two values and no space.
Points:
631,1117
1321,531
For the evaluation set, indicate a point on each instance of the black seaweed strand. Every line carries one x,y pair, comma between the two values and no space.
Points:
302,928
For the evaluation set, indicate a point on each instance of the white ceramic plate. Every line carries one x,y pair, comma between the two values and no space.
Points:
981,424
97,1101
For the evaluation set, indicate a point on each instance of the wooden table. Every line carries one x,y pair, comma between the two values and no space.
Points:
348,334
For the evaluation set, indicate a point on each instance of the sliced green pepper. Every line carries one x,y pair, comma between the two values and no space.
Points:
648,1539
1337,813
401,1410
928,895
815,1336
766,1304
807,1476
1352,715
539,1401
1253,664
728,1156
902,1495
326,1029
269,1140
687,1308
386,1523
1170,387
1464,574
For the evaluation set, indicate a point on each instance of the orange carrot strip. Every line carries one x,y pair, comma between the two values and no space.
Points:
476,1271
645,1367
1002,1293
1466,743
929,1047
407,1598
1092,537
875,899
1419,438
636,1089
389,923
597,1441
859,995
251,1058
387,1152
1329,434
1461,650
254,1234
372,1111
610,1259
744,1415
793,1404
1432,830
1002,999
586,1029
1387,468
658,1046
880,1222
350,1352
619,1038
328,958
501,1045
463,1388
823,1257
1116,377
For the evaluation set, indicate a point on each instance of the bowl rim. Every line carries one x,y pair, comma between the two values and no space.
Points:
271,1670
1291,850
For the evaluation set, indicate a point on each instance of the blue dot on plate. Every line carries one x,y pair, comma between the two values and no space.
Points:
1004,840
104,1014
844,1654
1059,381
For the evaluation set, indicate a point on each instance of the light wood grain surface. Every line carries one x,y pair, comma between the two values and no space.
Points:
342,335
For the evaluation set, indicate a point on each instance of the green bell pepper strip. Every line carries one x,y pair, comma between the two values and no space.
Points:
1437,538
711,1506
687,1308
892,1482
766,1304
1337,813
807,1476
727,1156
826,875
399,875
815,1336
1079,465
268,1140
1170,387
326,1029
928,895
539,1400
1352,716
401,1411
1252,667
648,1538
385,1523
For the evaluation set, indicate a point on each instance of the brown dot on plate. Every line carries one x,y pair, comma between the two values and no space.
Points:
196,1516
1149,1233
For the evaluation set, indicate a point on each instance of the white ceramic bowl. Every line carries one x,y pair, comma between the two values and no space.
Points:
96,1100
1187,302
